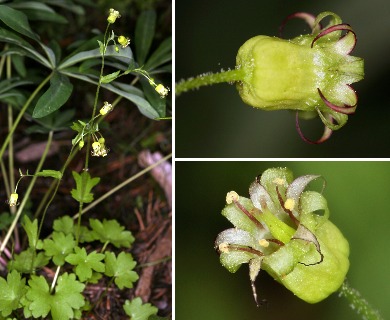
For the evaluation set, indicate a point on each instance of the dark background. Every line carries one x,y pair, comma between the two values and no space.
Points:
214,122
357,195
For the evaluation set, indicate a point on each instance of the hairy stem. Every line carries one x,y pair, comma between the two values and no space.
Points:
209,79
358,303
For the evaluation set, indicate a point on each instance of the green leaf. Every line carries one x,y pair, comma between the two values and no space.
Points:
84,185
144,33
121,268
63,305
59,247
125,55
49,173
11,291
31,228
55,97
162,55
64,224
138,311
154,98
27,260
24,47
111,231
17,21
109,77
126,91
50,16
85,263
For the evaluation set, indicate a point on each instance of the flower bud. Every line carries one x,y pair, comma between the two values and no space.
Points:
280,231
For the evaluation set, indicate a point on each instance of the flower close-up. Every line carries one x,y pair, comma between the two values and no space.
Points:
285,231
310,74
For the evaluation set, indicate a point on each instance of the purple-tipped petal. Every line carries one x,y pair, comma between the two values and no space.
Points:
337,27
296,187
260,197
325,136
309,18
345,109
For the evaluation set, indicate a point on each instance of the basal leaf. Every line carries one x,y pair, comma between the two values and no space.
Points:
55,97
138,311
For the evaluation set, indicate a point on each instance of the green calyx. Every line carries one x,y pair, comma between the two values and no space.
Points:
309,73
280,231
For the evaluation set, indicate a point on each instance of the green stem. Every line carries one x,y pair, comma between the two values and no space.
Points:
27,193
21,113
209,79
96,97
358,303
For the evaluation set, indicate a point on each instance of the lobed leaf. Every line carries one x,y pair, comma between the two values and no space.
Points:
138,311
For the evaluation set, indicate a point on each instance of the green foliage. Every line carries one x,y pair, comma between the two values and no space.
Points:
59,247
84,185
111,231
55,97
85,263
11,291
31,228
62,304
121,268
138,311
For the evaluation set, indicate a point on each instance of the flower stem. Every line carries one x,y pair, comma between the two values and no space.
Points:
209,79
358,303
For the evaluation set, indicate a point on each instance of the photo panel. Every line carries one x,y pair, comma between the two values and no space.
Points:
218,121
356,195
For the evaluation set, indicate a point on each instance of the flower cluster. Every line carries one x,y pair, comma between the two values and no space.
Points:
279,229
310,74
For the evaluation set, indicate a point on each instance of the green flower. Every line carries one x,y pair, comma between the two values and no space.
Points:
123,41
310,74
285,231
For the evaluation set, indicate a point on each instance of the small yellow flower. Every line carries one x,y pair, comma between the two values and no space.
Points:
81,144
161,90
99,149
123,41
13,199
113,16
107,107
